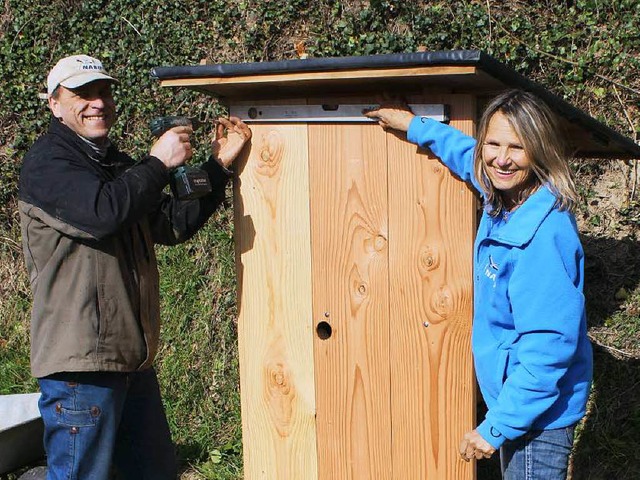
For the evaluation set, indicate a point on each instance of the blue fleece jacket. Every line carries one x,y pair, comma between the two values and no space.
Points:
531,352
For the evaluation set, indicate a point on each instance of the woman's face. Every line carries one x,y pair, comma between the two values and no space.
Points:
506,162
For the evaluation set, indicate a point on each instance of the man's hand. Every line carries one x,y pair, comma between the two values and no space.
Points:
474,446
397,116
225,149
173,148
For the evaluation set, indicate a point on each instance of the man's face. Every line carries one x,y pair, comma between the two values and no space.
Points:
88,110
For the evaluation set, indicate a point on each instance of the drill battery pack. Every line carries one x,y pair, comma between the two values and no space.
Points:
188,182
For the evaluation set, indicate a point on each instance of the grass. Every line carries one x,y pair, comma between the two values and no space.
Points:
607,442
15,375
198,360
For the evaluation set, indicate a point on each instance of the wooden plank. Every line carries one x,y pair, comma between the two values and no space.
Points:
272,230
350,293
431,231
316,76
369,88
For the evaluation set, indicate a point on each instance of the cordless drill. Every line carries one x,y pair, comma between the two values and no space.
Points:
186,182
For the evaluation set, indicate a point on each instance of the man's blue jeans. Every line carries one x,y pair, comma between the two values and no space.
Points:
537,455
94,420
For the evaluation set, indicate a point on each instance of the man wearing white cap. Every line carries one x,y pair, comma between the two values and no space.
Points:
90,216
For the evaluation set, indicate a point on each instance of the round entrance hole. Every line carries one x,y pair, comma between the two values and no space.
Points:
323,329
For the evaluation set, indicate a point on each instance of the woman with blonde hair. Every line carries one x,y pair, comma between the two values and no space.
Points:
531,352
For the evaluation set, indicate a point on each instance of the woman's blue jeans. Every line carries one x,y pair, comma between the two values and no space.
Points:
537,455
96,420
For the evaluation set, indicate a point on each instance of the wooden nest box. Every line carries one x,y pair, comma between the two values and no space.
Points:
354,259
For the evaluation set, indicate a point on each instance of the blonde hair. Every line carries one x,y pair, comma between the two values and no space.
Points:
539,131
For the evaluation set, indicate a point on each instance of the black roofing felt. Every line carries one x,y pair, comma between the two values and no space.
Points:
324,64
475,58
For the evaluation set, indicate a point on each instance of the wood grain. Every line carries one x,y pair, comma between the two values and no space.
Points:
431,232
272,230
327,75
355,292
351,293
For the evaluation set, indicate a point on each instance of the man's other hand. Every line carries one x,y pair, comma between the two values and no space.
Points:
231,134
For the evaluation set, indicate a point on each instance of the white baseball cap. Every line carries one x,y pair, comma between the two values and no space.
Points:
75,71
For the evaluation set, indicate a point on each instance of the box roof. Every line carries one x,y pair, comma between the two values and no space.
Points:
456,71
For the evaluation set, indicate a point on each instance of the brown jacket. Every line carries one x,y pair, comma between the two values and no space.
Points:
88,228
